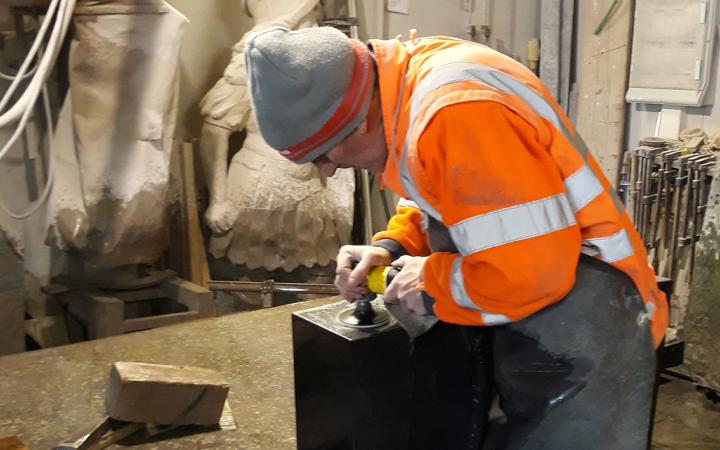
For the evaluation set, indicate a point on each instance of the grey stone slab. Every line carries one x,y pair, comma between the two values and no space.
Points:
702,322
53,395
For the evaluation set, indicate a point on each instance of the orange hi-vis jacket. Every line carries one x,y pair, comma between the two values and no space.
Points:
479,149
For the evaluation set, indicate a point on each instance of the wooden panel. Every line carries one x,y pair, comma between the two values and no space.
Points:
187,254
603,76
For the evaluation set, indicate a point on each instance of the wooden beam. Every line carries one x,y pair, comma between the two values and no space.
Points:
603,78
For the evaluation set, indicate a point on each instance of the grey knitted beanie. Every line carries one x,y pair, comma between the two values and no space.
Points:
310,88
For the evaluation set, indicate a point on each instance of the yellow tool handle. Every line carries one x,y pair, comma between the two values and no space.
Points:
379,277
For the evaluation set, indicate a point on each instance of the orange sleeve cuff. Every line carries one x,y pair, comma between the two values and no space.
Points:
405,228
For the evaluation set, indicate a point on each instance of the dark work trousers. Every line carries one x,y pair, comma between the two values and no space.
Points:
577,375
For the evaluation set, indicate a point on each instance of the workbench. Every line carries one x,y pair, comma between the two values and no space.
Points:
57,395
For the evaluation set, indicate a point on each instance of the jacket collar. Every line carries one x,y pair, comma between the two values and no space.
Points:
392,58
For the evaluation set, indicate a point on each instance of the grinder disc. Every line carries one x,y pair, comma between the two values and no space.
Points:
348,318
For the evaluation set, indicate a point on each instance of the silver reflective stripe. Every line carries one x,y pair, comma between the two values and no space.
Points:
465,71
411,190
462,299
612,248
408,203
512,224
582,187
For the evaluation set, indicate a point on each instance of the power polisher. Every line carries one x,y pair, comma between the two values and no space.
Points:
364,315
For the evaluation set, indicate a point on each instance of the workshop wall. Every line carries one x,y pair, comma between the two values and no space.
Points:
512,22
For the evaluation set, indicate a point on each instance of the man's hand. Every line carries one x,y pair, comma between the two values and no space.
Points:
351,281
404,287
220,217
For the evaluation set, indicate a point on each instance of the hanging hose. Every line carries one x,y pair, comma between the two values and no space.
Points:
59,12
49,17
8,77
29,97
50,173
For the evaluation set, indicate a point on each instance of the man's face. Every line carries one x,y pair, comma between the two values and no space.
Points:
364,148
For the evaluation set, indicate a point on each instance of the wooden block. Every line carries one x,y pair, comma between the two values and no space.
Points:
195,297
49,331
140,295
12,315
12,443
37,302
101,314
165,395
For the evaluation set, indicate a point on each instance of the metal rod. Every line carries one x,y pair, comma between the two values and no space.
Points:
264,286
680,183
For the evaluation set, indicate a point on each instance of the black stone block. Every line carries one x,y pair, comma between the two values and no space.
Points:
352,387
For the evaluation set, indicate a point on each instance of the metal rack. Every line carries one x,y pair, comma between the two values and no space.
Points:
665,187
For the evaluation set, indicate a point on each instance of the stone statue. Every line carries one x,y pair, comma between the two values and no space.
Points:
108,207
264,211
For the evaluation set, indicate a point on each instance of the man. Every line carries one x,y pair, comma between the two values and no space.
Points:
510,235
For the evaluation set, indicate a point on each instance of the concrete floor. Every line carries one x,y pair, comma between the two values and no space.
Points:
686,419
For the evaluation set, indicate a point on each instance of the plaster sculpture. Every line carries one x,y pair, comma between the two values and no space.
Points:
265,211
114,136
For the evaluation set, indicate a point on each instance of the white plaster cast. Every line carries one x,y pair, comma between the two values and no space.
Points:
265,211
114,138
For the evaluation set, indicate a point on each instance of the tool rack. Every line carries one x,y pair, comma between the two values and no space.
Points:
665,188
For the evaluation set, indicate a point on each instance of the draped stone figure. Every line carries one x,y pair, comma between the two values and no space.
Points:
264,211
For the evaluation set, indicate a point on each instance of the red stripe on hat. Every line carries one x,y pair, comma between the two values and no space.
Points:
348,109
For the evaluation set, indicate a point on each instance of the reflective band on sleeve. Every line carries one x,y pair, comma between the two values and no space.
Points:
411,189
462,299
408,203
612,248
512,224
582,187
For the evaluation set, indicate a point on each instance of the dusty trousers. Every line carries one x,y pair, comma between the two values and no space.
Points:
578,374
